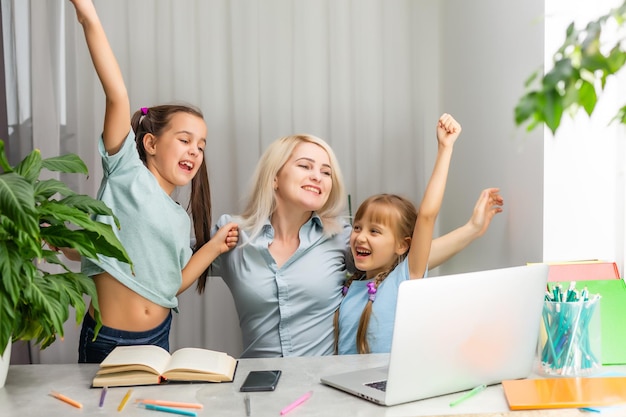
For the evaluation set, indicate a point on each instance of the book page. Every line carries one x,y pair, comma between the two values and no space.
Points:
201,360
126,368
122,379
154,357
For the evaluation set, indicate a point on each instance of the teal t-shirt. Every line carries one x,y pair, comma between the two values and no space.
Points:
154,229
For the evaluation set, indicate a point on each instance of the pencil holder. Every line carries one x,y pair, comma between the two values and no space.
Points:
570,340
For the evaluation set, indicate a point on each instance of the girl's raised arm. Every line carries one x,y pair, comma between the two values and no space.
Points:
117,114
448,131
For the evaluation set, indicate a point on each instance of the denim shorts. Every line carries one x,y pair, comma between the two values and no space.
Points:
94,351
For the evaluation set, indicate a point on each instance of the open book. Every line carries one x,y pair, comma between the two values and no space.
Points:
149,365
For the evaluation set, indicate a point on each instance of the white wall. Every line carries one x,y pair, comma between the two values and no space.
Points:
488,49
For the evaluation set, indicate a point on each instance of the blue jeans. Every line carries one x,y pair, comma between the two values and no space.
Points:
94,351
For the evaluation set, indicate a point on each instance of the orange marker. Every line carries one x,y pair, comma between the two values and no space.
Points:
68,400
169,403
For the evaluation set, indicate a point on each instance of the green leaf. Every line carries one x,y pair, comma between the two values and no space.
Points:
17,202
526,107
532,78
45,310
30,167
7,320
595,62
107,245
4,162
104,239
10,272
47,188
62,237
571,96
616,59
620,117
562,71
553,111
70,164
588,97
90,205
62,212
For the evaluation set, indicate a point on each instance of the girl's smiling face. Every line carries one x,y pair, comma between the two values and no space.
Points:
374,242
176,155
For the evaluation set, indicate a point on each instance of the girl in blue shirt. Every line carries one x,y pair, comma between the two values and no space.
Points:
144,160
390,243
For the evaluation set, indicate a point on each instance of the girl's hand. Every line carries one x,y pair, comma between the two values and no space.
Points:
69,253
448,130
226,237
488,205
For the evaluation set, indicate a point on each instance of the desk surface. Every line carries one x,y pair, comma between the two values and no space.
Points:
26,393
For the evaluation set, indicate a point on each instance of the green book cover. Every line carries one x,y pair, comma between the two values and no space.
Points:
612,315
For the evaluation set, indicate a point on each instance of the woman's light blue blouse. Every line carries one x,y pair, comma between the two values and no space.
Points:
286,311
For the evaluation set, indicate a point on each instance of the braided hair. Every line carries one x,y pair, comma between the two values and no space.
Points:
401,214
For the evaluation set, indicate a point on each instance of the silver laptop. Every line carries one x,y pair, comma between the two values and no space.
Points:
456,332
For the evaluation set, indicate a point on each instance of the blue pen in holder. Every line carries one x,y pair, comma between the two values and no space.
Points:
570,337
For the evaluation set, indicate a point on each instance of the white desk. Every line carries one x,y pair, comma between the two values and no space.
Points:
26,393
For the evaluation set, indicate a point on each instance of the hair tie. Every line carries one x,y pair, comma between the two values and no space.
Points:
144,110
344,290
371,290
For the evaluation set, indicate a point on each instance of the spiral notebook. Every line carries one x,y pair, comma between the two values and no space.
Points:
456,332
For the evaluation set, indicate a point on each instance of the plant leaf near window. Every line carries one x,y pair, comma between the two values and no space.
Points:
582,65
34,303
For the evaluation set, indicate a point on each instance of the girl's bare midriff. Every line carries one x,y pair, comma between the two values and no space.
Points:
123,309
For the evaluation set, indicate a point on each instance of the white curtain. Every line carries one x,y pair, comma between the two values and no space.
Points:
361,74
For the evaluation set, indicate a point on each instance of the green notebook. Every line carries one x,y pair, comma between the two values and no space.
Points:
612,316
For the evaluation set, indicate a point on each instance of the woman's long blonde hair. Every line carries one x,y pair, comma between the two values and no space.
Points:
398,213
262,200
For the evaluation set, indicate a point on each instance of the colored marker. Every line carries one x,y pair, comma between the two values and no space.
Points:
246,401
468,394
68,400
296,403
168,409
169,403
103,394
124,400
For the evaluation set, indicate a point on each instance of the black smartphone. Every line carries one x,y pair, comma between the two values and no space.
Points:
260,381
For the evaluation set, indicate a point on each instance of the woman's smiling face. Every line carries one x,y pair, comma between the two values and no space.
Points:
305,181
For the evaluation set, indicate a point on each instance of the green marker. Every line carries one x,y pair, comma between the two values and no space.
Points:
468,394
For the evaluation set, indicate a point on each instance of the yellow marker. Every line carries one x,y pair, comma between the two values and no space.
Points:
124,400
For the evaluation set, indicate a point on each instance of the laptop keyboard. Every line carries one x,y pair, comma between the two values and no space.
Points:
379,385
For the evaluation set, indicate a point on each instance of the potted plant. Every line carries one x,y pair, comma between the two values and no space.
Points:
34,303
582,65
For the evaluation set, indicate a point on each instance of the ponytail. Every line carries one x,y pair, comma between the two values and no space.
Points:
200,208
